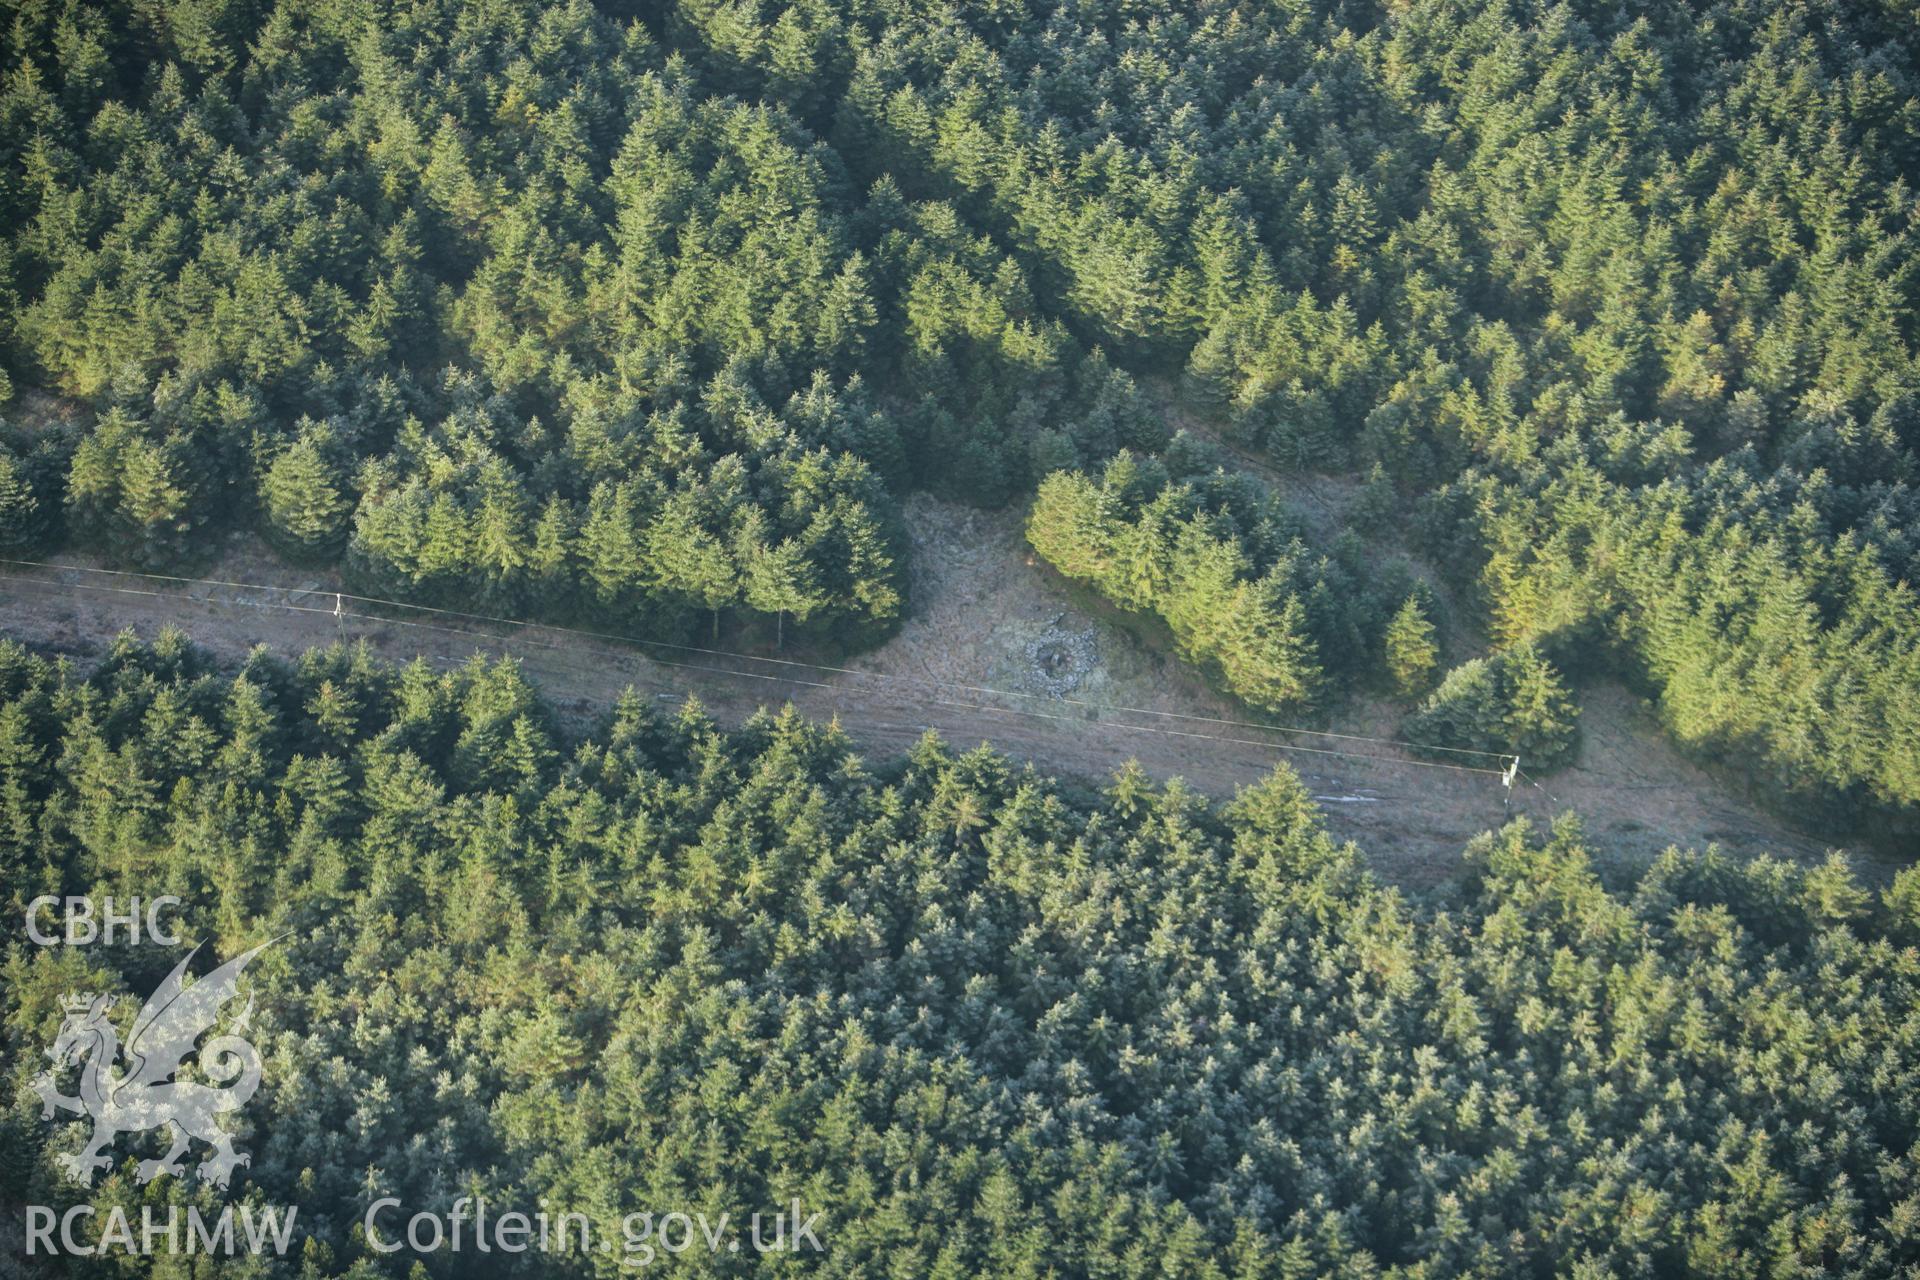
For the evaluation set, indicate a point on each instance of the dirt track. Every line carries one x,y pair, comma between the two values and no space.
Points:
952,669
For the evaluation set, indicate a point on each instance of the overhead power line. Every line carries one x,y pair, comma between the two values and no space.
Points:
826,668
930,688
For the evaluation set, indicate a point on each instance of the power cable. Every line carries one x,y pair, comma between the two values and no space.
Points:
784,662
339,614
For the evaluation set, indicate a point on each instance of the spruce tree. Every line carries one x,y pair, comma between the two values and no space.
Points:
306,508
20,520
1410,649
1540,715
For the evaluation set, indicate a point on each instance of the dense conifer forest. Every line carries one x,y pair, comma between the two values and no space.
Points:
652,313
983,1025
652,317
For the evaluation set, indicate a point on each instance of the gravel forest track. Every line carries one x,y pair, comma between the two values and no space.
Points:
1411,817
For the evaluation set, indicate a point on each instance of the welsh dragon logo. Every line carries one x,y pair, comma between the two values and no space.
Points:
144,1095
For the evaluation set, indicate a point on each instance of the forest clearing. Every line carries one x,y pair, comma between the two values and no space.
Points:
962,665
1235,640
